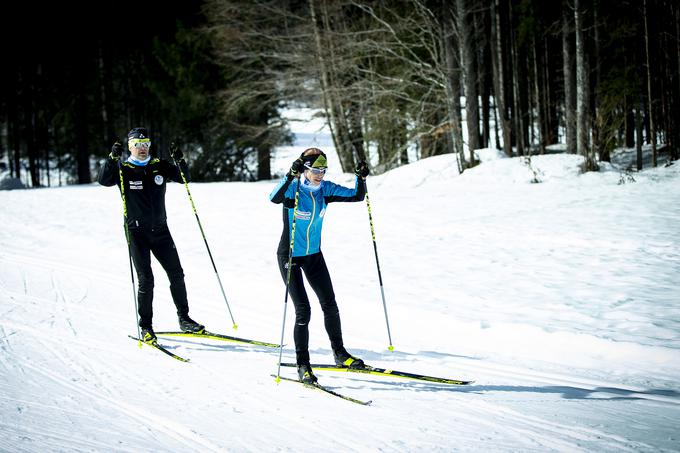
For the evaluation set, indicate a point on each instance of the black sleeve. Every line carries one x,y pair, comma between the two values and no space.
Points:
361,189
172,171
108,173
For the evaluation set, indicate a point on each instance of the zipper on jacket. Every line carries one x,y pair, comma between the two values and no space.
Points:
311,220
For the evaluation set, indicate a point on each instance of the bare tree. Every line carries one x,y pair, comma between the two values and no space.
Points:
466,18
452,62
650,98
569,79
498,60
582,91
344,118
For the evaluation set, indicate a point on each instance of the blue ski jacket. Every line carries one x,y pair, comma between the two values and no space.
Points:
310,211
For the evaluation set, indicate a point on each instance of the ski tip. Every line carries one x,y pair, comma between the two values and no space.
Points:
391,348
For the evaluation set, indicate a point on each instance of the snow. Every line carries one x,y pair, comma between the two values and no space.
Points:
559,299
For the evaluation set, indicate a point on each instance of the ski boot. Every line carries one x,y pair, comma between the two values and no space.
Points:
186,324
345,360
306,374
148,335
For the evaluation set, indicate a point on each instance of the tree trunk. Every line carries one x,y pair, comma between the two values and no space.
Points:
452,64
469,65
582,90
552,122
518,116
486,76
108,132
539,105
638,130
264,171
499,79
569,82
675,117
28,82
629,128
650,98
13,138
598,145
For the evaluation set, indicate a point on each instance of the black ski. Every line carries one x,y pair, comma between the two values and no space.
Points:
160,348
385,372
217,336
326,390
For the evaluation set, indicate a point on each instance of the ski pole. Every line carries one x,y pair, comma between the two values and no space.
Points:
290,265
193,206
127,238
377,262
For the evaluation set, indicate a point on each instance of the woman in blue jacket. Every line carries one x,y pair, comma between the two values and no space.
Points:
308,172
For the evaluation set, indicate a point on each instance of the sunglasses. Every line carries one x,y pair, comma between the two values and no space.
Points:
141,142
316,171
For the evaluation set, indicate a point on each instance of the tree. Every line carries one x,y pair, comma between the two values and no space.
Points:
500,76
468,38
650,97
582,90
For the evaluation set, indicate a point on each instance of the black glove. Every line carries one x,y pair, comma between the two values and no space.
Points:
175,152
116,151
362,170
297,167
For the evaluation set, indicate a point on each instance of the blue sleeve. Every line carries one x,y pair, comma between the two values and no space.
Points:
284,192
334,192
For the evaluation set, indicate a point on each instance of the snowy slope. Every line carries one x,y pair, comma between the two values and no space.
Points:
559,299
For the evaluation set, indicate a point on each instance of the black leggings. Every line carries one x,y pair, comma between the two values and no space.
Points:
143,242
320,281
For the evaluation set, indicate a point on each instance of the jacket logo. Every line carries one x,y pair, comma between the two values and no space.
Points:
158,180
136,185
303,215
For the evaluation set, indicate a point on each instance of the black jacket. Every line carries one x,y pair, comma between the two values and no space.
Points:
144,188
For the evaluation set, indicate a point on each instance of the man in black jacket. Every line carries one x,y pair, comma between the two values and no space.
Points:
144,179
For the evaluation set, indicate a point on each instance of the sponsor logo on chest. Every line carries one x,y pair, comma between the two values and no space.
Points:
303,215
136,185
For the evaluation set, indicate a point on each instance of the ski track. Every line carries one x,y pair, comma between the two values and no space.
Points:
539,433
151,422
533,433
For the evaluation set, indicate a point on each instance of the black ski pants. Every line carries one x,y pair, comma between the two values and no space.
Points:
319,279
143,242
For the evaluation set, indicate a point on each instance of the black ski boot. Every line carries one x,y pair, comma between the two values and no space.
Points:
306,374
186,324
345,360
148,335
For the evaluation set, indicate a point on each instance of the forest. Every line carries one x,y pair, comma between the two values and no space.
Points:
393,79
